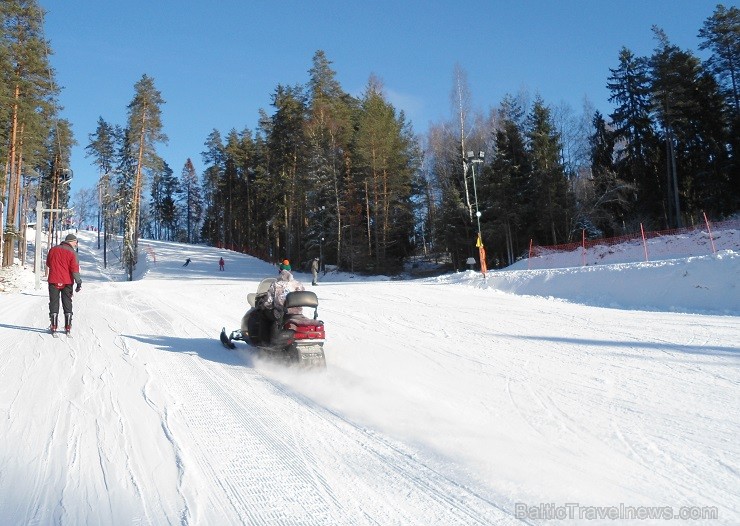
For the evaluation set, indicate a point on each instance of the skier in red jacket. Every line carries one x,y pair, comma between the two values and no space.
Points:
64,270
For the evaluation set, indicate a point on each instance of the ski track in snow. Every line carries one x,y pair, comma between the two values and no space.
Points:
143,417
266,444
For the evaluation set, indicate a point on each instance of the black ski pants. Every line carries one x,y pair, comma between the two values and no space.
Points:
66,295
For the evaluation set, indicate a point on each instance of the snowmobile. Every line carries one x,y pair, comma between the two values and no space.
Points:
296,339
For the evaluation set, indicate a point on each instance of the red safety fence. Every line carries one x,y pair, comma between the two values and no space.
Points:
152,254
698,240
259,254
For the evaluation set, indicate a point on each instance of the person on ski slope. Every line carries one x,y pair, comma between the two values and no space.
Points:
272,306
315,271
221,264
284,265
64,270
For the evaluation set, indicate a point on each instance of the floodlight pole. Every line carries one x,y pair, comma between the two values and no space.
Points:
321,239
473,160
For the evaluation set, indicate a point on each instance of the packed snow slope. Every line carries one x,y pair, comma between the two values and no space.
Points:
446,401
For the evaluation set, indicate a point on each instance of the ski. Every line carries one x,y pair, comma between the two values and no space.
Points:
54,333
225,340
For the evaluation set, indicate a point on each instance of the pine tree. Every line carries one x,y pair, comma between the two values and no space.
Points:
144,132
190,193
102,148
687,103
214,159
385,166
28,111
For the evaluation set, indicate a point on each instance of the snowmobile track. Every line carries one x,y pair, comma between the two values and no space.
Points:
330,470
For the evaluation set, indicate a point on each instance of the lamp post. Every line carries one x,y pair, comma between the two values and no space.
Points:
321,238
321,253
474,159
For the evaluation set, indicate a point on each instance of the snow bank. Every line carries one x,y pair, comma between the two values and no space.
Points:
702,285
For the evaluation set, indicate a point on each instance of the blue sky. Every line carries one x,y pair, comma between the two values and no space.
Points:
217,63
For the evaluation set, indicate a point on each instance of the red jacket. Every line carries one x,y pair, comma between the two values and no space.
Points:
64,267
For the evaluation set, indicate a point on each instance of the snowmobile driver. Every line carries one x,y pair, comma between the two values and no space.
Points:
272,306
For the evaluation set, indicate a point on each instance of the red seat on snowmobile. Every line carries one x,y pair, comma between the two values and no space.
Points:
304,328
301,320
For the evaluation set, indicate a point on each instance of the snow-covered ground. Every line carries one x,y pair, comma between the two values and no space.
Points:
573,394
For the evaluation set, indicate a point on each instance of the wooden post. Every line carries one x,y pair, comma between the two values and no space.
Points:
583,247
644,243
2,233
714,250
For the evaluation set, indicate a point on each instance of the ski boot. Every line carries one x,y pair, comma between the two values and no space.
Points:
67,322
54,318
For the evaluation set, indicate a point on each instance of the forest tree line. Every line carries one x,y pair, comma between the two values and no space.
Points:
345,178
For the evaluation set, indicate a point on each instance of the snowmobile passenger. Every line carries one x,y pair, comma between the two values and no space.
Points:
272,306
284,265
278,291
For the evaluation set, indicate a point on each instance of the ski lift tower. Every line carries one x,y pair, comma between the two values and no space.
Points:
39,223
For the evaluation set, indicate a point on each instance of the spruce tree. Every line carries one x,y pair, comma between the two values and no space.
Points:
548,187
509,169
328,134
287,171
721,35
608,201
637,145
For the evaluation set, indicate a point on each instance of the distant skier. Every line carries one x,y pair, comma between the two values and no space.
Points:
64,270
187,262
221,264
315,271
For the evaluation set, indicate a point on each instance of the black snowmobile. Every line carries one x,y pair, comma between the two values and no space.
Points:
296,339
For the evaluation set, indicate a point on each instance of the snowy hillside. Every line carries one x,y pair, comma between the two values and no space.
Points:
453,400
